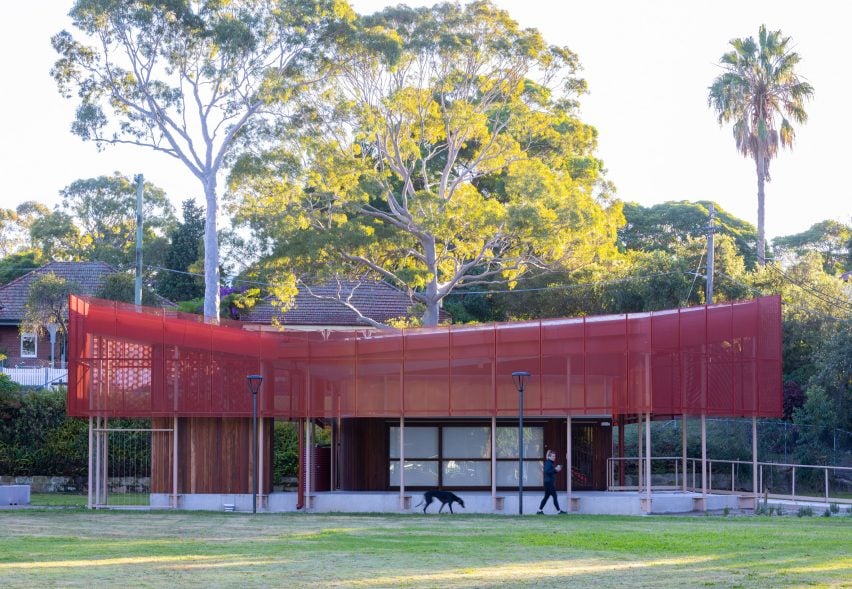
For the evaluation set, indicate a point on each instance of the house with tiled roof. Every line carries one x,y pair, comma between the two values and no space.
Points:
338,305
30,349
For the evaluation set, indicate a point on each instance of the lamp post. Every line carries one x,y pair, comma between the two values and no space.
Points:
520,378
254,382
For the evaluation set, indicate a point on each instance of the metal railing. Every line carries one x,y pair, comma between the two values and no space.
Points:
37,377
798,482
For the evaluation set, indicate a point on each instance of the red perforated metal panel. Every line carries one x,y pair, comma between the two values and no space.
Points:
138,362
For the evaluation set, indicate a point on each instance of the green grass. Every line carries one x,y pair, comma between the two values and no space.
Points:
76,500
157,549
58,500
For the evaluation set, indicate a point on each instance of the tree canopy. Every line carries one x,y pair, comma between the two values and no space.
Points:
104,211
830,239
183,78
447,152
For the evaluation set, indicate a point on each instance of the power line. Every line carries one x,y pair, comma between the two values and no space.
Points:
823,296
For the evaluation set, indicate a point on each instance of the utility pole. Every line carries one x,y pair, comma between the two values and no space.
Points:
138,292
711,231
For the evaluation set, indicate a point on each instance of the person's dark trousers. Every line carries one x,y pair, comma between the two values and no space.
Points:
549,491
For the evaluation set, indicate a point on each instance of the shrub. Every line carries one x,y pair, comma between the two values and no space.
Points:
807,511
37,437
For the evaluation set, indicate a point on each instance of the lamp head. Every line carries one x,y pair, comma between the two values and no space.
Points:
520,378
254,381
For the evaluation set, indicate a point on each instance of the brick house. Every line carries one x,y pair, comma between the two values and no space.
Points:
29,350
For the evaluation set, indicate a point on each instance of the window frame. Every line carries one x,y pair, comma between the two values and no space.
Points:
29,335
531,462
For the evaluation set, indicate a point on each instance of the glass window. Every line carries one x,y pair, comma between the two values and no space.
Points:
420,442
466,442
29,345
467,473
507,473
507,442
418,473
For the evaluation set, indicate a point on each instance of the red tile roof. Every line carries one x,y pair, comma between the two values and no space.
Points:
87,276
377,300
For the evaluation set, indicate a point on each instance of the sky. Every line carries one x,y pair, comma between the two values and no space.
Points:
648,64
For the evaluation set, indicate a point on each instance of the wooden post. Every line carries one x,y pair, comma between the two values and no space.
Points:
639,470
569,465
175,463
648,461
402,463
494,463
91,459
309,466
754,456
704,460
685,452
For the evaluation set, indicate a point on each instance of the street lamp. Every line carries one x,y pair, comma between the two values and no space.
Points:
254,381
519,379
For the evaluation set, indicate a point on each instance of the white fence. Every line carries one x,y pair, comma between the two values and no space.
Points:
37,377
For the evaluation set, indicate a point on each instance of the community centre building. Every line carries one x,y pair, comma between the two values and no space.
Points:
414,409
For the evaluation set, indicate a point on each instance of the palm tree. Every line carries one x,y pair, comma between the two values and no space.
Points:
759,87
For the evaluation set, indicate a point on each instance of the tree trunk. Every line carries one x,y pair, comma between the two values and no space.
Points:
761,236
211,251
432,313
433,301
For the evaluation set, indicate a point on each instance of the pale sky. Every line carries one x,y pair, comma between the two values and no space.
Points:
648,64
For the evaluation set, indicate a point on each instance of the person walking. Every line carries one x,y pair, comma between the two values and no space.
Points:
550,470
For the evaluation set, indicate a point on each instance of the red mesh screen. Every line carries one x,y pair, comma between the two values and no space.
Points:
138,362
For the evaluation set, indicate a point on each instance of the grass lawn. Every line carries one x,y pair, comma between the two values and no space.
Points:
70,547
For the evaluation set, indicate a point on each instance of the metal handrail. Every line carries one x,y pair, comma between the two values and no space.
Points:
682,480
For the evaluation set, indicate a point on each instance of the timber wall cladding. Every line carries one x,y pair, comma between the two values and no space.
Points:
363,455
214,456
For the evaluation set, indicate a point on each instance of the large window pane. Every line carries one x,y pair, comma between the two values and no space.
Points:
417,473
507,473
507,442
466,473
467,442
420,442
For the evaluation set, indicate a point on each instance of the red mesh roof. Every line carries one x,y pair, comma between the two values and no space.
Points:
722,360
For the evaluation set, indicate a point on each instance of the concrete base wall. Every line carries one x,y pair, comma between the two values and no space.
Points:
595,502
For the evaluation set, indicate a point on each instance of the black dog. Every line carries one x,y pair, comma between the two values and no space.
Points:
445,497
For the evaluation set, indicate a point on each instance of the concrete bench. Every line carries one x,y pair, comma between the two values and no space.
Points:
14,495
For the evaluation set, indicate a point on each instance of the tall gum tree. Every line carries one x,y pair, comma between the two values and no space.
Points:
184,77
760,92
447,153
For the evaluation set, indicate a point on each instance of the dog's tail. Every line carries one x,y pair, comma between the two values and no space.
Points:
419,504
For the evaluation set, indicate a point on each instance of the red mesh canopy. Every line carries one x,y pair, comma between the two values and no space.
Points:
723,360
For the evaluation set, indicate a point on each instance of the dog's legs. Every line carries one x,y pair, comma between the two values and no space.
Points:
451,507
442,507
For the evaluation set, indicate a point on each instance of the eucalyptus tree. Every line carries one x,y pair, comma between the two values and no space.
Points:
184,77
760,92
831,239
447,153
666,226
104,211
